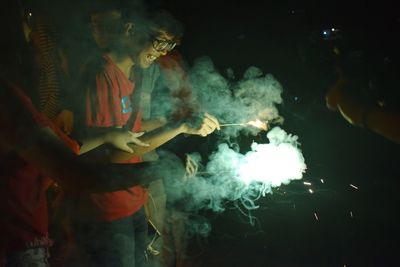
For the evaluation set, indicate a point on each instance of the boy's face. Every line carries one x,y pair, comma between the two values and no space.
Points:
104,27
160,45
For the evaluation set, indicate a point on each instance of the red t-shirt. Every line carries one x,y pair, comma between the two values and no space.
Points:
23,203
113,108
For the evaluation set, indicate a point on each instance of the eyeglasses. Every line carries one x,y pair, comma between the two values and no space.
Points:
163,45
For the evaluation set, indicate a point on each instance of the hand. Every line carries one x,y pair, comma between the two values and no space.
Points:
208,125
191,168
65,121
337,99
121,139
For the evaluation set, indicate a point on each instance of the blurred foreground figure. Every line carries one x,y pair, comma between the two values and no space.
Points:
32,148
376,117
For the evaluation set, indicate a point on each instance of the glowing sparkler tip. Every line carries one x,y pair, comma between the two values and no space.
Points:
259,124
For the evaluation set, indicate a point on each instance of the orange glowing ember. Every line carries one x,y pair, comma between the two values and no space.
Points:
259,124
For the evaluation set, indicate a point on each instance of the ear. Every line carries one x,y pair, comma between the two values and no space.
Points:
128,28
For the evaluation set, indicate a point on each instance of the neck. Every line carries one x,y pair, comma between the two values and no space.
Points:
124,62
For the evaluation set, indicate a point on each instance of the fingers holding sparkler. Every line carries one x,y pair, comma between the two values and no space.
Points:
208,125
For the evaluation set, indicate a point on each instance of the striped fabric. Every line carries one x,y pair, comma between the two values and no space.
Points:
48,62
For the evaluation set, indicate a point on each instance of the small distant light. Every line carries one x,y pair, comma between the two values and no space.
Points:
355,187
325,32
296,98
316,216
322,181
30,14
307,183
333,29
292,11
351,214
311,191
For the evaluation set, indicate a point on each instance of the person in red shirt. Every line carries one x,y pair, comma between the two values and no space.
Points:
114,228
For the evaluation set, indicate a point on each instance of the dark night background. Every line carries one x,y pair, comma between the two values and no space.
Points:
355,227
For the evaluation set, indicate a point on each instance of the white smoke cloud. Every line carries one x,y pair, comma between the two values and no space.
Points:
232,176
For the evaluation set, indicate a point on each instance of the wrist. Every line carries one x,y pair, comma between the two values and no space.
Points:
183,128
107,137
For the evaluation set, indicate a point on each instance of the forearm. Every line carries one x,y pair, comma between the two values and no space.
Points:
91,143
150,125
383,122
155,139
53,159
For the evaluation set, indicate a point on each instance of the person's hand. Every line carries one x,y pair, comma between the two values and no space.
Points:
337,92
338,99
121,139
352,110
65,121
191,168
208,125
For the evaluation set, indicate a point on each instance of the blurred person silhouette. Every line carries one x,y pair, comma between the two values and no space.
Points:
33,148
113,226
365,95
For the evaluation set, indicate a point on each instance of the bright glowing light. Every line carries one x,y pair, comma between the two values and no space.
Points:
333,29
246,177
355,187
307,183
311,191
316,216
272,164
322,181
259,124
351,214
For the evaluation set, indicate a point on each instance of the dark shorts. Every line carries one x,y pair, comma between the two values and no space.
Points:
119,243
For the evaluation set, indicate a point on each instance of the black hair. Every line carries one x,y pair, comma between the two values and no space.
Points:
162,19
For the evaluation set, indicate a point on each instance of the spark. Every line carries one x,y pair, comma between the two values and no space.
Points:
259,124
316,216
307,183
351,214
355,187
311,191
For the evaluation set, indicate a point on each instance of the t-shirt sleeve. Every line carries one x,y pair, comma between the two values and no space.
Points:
102,103
19,118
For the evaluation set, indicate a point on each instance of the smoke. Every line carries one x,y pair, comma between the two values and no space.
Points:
232,176
254,96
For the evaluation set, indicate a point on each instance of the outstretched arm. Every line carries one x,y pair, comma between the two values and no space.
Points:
162,135
378,119
24,132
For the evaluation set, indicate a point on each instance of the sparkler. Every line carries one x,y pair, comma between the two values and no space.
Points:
257,123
